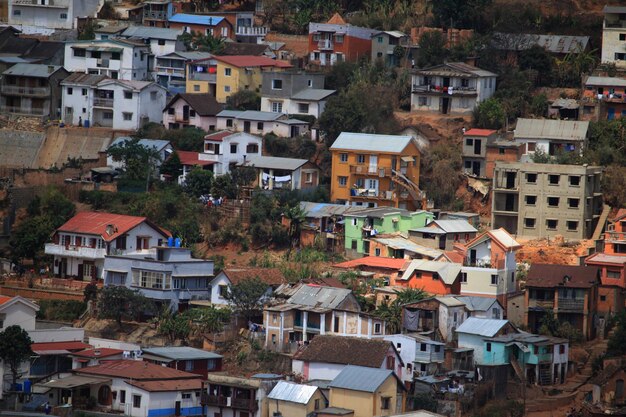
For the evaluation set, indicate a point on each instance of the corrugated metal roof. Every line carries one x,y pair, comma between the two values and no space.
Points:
450,301
558,44
449,226
481,327
551,129
371,142
402,243
380,212
459,69
360,378
196,19
474,303
32,70
318,296
320,210
295,393
606,258
147,32
392,33
189,55
181,353
313,94
448,271
606,81
261,116
504,238
157,144
614,9
289,164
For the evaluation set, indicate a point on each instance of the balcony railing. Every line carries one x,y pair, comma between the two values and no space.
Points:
574,305
370,170
221,401
50,3
422,88
325,44
154,15
499,264
203,76
103,102
25,91
24,111
371,194
252,30
615,236
548,304
75,251
618,24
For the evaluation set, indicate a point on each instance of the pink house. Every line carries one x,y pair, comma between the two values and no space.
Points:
187,110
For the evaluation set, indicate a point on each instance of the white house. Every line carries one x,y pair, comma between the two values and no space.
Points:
163,147
295,93
613,28
51,14
551,136
273,277
122,59
229,149
473,332
192,110
106,102
261,123
80,245
162,41
482,307
17,311
441,315
453,87
421,355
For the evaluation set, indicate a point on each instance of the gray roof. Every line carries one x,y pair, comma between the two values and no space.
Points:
473,303
32,70
292,122
570,130
180,353
146,143
320,210
146,32
189,55
312,94
481,327
111,29
379,212
371,142
361,378
402,243
614,9
606,81
446,270
289,164
393,33
230,113
292,392
448,226
319,296
456,69
560,44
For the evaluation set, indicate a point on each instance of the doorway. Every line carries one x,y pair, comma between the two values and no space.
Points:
246,127
445,104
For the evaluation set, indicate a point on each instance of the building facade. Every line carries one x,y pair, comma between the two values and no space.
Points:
613,29
51,14
294,93
121,59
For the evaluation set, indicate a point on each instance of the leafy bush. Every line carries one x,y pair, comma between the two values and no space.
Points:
60,310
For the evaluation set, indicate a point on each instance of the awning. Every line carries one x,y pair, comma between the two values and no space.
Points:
407,158
73,381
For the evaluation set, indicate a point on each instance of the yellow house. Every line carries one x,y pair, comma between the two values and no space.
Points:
376,170
201,76
368,391
295,400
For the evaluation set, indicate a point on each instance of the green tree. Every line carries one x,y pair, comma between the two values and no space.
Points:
196,41
198,182
440,174
15,349
90,293
246,297
459,13
432,49
614,186
392,312
296,216
172,166
539,105
138,161
244,100
119,303
617,342
208,319
174,326
536,58
489,114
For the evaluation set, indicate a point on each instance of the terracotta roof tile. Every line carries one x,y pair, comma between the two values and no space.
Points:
168,385
191,158
98,353
219,136
138,370
374,262
251,61
480,132
336,19
95,223
270,276
345,350
454,256
41,347
550,276
4,299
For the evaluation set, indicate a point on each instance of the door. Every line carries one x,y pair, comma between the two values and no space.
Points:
294,132
446,81
373,164
185,113
477,143
246,127
619,389
442,242
445,103
177,408
610,114
472,256
63,268
476,168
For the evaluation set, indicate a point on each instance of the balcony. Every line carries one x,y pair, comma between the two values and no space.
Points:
222,401
25,91
545,304
371,194
370,170
544,357
325,44
35,112
203,76
615,236
571,305
252,31
165,70
103,102
439,89
150,15
478,263
620,24
37,3
75,251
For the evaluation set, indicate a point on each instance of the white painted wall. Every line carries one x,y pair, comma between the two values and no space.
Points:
316,108
132,65
276,127
473,342
218,281
18,314
226,157
447,322
407,346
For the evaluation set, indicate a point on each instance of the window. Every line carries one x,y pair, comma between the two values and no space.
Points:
233,148
127,116
603,298
529,223
488,347
303,108
501,151
277,106
339,38
495,313
343,181
385,403
553,201
531,178
122,396
562,349
435,276
612,274
229,122
573,202
417,274
343,157
70,91
196,87
153,95
308,178
531,146
277,84
128,94
455,317
150,279
84,91
531,200
17,12
188,368
79,52
494,279
309,83
227,72
317,404
136,401
551,224
63,16
574,180
115,56
171,110
192,113
377,328
108,115
360,159
422,101
252,148
463,277
620,56
227,88
222,291
554,179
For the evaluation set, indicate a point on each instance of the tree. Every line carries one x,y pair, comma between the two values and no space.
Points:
459,13
246,297
244,100
209,319
15,349
538,59
138,161
196,41
198,182
432,49
614,186
172,166
107,12
489,114
392,312
172,325
296,216
617,342
90,293
539,105
119,303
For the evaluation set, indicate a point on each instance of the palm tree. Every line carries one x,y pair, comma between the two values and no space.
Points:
196,41
296,216
392,312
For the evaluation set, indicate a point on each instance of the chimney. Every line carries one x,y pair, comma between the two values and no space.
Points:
50,69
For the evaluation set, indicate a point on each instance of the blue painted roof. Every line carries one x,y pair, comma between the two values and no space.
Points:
360,378
196,19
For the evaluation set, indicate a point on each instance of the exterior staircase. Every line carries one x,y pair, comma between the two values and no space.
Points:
517,368
412,188
601,222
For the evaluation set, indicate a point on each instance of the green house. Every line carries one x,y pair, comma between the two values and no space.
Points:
364,224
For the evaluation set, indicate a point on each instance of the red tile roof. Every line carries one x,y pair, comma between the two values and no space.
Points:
70,346
95,223
480,132
454,256
270,276
374,262
191,158
569,276
139,370
168,385
219,136
101,352
621,213
251,61
4,299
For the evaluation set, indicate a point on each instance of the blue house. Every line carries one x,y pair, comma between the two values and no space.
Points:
473,332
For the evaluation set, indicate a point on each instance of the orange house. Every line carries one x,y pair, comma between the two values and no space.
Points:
216,26
337,41
612,265
437,278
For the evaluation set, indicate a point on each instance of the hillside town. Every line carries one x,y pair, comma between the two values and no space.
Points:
298,208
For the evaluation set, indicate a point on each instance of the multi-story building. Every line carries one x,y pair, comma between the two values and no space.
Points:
261,123
191,110
389,47
551,136
169,70
192,360
216,26
613,35
162,41
80,245
157,13
231,396
122,59
201,75
453,87
32,90
337,41
95,100
603,97
275,173
297,400
376,170
51,14
294,93
482,148
612,263
443,234
439,315
228,149
243,23
438,278
546,199
569,292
